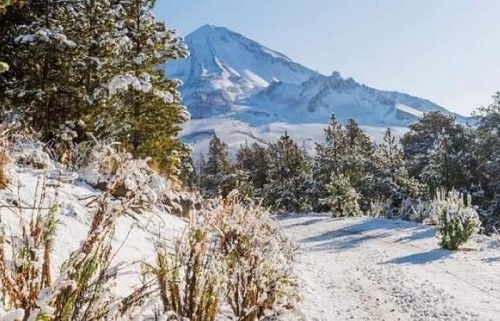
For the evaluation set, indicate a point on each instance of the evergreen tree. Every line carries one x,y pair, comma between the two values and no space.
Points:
286,190
450,164
329,161
420,139
217,176
357,160
43,85
342,196
346,150
486,151
252,167
390,177
149,107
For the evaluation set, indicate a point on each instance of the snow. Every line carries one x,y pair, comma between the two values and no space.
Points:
377,269
410,110
241,83
234,133
134,237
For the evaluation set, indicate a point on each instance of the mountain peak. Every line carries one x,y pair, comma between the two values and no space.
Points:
224,60
207,29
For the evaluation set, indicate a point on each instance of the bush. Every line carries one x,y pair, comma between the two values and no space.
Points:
85,287
457,220
232,256
342,197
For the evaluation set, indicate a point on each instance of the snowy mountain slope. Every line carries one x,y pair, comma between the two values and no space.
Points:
238,82
224,67
376,269
234,132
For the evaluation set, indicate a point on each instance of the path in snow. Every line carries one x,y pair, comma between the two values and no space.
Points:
375,269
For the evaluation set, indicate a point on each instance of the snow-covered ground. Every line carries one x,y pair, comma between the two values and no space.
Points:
376,269
134,235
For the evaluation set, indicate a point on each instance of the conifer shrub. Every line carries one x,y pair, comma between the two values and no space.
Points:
456,220
342,197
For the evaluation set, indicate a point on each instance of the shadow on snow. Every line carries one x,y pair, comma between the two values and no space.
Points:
422,258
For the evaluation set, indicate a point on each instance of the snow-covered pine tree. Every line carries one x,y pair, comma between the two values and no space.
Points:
358,157
390,178
286,190
327,162
217,174
450,165
148,115
43,87
342,196
487,148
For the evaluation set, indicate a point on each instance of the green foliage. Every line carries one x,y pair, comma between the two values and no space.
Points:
421,137
216,173
94,63
457,220
391,181
285,190
342,197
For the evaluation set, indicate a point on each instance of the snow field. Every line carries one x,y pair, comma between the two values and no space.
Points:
376,269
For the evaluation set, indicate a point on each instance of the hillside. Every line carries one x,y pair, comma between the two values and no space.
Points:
245,91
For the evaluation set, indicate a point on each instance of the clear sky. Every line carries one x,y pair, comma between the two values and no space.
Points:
447,51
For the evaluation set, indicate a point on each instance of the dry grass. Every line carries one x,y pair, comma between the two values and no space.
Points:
234,256
4,160
83,291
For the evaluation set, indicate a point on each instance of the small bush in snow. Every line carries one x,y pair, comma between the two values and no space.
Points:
257,261
457,220
232,256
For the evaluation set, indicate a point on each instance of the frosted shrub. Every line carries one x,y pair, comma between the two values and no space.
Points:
456,220
257,261
189,279
86,286
232,256
342,197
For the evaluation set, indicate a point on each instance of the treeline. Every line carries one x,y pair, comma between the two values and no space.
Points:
76,67
349,174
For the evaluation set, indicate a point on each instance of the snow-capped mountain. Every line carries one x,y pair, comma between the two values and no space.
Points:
245,91
225,67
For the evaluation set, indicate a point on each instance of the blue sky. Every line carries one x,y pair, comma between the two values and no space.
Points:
447,51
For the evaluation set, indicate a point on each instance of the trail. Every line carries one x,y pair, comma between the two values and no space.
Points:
375,269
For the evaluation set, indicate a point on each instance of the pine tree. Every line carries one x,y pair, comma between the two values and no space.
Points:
486,148
391,180
42,86
329,161
217,175
421,137
149,109
450,166
342,196
286,190
357,162
252,166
